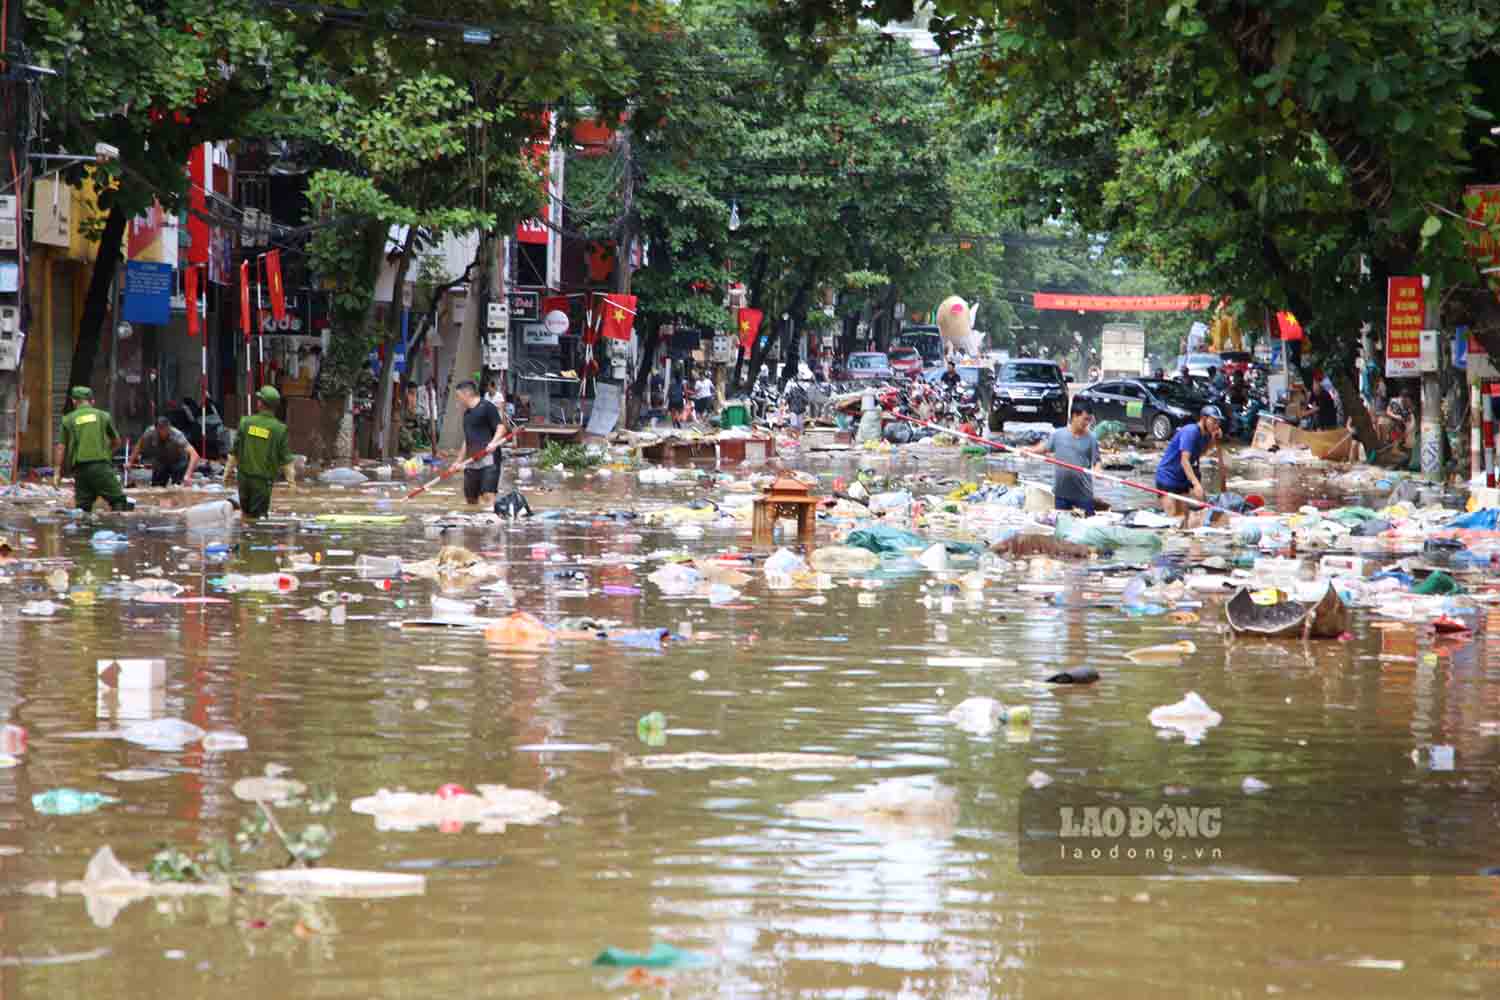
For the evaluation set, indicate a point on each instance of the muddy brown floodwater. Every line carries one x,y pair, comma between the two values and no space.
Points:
784,903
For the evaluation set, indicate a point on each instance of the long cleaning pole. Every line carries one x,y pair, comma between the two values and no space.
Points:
1067,465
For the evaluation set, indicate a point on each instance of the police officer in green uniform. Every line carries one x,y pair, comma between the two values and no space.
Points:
260,449
89,440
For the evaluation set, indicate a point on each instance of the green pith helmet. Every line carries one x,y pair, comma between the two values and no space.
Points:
267,394
82,392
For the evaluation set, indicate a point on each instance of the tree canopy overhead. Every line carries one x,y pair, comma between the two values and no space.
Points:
1257,149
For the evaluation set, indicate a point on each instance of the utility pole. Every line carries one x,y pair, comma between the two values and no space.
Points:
1432,396
14,102
630,406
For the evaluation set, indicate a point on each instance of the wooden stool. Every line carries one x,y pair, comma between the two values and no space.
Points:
787,498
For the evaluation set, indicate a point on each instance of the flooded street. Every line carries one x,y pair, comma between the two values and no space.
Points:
715,860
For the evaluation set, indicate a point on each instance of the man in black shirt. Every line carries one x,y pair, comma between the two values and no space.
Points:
483,432
951,377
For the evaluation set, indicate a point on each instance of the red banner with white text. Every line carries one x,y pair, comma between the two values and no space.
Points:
1404,312
1119,303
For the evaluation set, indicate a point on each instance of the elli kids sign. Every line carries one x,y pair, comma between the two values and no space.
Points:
1404,310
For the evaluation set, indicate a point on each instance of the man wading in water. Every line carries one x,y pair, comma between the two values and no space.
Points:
483,431
1076,446
1177,473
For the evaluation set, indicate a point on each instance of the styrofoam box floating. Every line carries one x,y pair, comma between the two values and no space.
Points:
131,689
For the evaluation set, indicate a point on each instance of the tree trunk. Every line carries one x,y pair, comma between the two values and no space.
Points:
1355,412
798,316
886,321
385,425
96,303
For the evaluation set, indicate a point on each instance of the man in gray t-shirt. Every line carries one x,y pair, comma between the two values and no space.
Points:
173,459
1076,446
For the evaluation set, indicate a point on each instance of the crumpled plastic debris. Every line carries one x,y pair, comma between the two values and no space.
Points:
1168,652
784,562
651,729
520,630
492,809
896,806
676,579
162,734
1191,717
980,716
266,788
342,477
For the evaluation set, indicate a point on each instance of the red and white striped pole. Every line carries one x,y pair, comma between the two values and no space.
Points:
1487,432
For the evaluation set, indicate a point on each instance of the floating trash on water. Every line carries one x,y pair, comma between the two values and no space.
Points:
1253,786
493,808
661,956
898,806
69,802
651,729
1191,717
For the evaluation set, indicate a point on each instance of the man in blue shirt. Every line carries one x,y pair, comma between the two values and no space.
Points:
1177,472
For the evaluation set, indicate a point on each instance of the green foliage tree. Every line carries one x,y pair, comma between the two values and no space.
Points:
152,81
838,172
1255,149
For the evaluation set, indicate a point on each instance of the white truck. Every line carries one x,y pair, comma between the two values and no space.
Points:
1123,351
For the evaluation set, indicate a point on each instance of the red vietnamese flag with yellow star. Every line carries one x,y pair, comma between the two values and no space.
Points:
273,283
749,326
1290,328
619,316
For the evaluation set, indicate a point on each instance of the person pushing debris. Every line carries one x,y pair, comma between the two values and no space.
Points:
484,429
260,449
1073,490
173,458
1177,472
89,440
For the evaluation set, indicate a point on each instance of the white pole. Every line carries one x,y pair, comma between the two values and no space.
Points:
260,319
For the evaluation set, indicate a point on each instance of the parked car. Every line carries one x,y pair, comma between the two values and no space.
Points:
905,361
1029,390
1145,406
1197,364
864,366
927,340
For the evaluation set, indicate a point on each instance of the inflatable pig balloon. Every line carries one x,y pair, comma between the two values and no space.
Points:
955,320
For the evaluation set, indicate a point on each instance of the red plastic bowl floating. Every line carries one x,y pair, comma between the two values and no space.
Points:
1444,625
451,791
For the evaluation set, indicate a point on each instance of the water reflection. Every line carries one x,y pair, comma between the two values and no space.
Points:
718,860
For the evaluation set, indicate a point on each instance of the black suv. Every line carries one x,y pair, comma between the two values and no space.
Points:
1029,391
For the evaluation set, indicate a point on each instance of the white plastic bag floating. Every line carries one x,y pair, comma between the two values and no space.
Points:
162,734
342,477
935,558
676,579
979,716
784,562
1191,717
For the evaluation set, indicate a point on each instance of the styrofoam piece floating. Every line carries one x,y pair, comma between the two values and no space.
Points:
341,883
130,688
